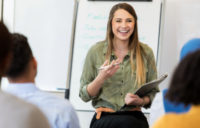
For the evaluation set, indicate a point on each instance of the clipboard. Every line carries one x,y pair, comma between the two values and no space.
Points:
147,87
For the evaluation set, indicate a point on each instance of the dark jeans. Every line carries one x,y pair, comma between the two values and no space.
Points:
128,119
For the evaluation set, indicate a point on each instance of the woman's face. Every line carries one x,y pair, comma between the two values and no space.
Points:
122,25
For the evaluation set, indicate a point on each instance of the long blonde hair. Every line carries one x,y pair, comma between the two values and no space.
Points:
134,44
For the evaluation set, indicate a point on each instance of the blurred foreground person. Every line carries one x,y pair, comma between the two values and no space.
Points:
21,76
184,88
161,105
15,113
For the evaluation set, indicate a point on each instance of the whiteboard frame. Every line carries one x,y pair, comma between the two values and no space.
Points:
72,45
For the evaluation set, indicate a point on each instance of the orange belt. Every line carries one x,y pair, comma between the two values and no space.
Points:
101,109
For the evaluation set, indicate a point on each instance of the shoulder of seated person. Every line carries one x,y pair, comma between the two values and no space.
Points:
55,101
166,121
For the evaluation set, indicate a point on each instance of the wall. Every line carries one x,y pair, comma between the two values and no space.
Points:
180,24
176,32
169,54
48,27
8,14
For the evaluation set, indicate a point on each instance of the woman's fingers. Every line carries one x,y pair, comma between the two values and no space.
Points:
105,63
129,95
111,69
114,69
112,63
128,99
134,96
118,61
132,99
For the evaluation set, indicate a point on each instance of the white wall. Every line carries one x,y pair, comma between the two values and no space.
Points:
169,53
8,14
174,36
180,24
48,27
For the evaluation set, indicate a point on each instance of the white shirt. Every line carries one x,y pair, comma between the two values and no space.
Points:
59,112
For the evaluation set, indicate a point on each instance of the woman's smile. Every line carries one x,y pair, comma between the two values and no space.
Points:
123,32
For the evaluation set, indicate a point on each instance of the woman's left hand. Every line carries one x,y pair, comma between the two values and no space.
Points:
132,99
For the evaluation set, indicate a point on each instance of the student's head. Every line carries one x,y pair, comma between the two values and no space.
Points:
122,26
5,48
185,83
23,64
190,46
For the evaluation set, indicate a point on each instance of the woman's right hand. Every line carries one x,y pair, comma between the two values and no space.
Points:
94,87
109,70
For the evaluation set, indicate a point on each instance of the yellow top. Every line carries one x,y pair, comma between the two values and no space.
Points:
190,119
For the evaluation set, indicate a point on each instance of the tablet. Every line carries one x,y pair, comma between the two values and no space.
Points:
147,87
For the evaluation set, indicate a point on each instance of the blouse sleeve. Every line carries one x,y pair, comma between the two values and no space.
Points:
88,75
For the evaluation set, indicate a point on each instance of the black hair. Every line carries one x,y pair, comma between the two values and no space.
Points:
5,46
185,83
22,55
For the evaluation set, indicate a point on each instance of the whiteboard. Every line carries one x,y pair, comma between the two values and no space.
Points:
48,25
91,28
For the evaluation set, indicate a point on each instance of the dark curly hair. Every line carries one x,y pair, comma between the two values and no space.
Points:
22,55
5,46
185,83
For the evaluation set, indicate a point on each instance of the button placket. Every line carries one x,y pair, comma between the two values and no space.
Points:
121,93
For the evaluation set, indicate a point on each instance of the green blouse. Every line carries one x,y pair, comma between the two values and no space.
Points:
114,89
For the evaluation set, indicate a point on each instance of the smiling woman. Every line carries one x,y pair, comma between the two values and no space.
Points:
111,87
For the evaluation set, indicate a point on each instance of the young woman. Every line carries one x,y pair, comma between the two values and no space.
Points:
184,88
110,88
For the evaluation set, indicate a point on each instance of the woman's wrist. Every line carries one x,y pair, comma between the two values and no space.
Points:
100,80
143,103
94,87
